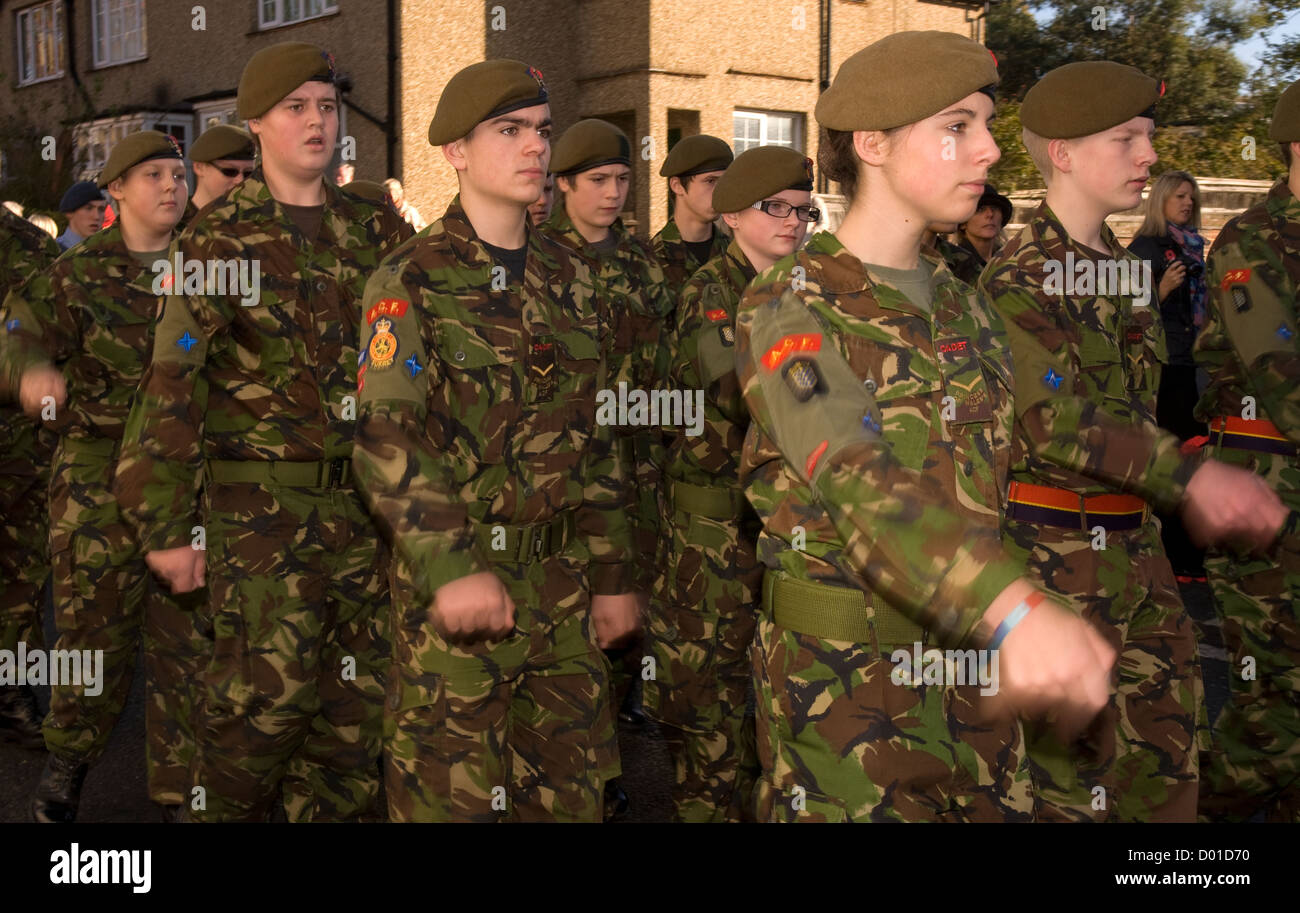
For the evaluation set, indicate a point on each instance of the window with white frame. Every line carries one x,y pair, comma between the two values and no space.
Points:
766,128
212,113
273,13
40,42
95,140
118,31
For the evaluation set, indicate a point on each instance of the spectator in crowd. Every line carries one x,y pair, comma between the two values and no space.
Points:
397,196
83,204
44,223
981,234
15,208
345,173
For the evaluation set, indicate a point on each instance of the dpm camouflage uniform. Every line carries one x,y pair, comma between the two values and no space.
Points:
876,459
1250,348
478,450
25,250
702,623
678,263
255,405
1089,455
92,315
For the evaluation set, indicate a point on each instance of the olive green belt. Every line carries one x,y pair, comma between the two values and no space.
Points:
714,502
835,612
522,543
306,474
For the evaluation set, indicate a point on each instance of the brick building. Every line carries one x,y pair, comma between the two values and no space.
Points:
90,71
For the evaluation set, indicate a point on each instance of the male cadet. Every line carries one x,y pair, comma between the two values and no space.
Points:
222,157
1250,349
83,205
479,453
690,238
1089,462
250,396
702,623
25,250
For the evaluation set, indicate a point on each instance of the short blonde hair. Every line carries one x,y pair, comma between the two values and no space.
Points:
1036,146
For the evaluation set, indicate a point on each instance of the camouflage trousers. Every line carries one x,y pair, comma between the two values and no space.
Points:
106,600
292,695
520,729
1138,761
839,740
24,531
699,635
1254,765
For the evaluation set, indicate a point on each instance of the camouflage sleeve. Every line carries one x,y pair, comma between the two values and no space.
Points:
1072,431
902,534
603,520
1214,353
1254,327
411,486
40,328
160,467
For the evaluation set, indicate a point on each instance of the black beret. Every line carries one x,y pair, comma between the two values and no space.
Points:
904,78
79,194
481,92
274,72
223,141
991,197
137,148
696,155
589,144
758,173
1087,97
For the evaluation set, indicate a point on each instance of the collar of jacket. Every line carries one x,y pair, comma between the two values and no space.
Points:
1055,240
251,200
1282,204
108,249
563,226
459,237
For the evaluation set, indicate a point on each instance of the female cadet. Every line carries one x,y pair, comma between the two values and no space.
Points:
880,397
80,335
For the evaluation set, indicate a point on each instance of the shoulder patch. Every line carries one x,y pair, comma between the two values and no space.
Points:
803,379
384,344
1234,276
716,316
789,345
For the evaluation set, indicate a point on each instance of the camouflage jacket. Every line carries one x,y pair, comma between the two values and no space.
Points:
675,257
880,432
269,379
92,315
963,264
1249,344
703,351
478,407
1087,368
25,251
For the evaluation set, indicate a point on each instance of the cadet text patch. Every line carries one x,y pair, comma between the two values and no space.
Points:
788,345
394,307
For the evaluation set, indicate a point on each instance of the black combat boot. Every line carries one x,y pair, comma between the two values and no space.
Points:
59,792
20,719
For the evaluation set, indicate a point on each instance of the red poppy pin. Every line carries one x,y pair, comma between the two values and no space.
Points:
537,75
329,60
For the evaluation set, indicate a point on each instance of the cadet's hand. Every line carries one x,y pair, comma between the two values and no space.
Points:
473,608
1052,664
182,569
1224,502
38,383
616,619
1172,278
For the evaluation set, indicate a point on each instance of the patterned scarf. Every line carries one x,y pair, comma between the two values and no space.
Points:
1193,245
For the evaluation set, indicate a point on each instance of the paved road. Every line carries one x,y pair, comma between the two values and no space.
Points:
115,789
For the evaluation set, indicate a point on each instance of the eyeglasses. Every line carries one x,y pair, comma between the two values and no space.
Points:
234,172
780,209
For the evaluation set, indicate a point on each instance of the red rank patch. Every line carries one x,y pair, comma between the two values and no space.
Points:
1234,277
394,307
811,463
716,316
788,345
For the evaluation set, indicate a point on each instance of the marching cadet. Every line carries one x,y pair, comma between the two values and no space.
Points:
250,398
77,339
690,238
879,390
222,157
1250,349
25,251
1089,462
479,452
702,623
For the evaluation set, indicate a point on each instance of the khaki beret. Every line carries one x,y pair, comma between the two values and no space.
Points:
137,148
1087,97
222,142
758,173
904,78
481,92
1285,127
696,155
367,190
589,144
274,72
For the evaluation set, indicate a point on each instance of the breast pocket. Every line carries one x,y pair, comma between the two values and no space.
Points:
1101,366
481,397
908,388
1145,350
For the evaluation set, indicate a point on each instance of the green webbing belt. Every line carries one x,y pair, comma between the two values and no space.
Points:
835,613
715,503
522,543
309,474
99,446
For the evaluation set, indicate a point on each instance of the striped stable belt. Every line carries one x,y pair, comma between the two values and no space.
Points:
1251,434
835,613
1071,510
